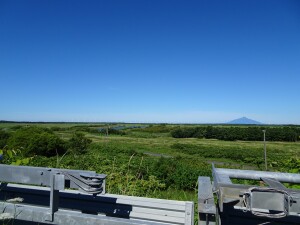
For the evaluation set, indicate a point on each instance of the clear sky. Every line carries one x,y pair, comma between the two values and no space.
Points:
201,61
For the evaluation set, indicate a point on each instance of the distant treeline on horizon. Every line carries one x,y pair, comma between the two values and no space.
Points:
250,133
156,123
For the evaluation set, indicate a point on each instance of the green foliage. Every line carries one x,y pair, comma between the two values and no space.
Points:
46,144
23,136
23,162
162,128
126,174
128,184
34,140
16,127
179,174
4,136
96,130
133,173
109,131
57,128
253,133
188,132
83,129
13,157
291,165
79,143
113,149
235,153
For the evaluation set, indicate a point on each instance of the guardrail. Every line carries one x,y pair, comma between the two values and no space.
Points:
54,196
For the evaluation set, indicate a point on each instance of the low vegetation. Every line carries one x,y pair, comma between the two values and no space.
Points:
161,161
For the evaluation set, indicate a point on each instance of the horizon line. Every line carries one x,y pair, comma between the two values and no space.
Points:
116,122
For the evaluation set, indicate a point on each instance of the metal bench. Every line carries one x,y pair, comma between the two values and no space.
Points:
89,204
269,203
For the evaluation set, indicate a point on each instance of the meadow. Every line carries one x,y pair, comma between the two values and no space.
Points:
140,159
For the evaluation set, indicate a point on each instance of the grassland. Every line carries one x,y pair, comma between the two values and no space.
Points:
156,140
145,160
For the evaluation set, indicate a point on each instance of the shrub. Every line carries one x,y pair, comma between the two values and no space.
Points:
177,173
79,143
46,144
36,141
162,128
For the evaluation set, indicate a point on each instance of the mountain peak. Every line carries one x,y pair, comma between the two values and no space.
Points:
244,120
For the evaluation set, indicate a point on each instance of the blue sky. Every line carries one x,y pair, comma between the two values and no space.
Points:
200,61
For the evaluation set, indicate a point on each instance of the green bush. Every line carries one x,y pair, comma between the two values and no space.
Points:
79,143
161,128
46,144
178,173
36,141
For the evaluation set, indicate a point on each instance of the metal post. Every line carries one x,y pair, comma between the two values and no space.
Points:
265,150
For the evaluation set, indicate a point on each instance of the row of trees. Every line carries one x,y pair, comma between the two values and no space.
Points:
33,140
290,134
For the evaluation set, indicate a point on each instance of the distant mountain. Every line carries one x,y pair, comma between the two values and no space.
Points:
244,120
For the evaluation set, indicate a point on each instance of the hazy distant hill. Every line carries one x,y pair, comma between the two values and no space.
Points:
244,120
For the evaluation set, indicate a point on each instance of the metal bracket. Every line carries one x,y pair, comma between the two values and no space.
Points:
57,179
87,181
245,204
91,184
276,203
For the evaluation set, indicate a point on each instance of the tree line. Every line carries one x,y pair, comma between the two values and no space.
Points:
253,133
